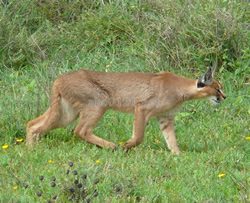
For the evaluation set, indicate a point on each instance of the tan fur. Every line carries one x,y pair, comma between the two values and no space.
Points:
87,95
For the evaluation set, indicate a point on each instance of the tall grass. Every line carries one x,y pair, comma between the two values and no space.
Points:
180,34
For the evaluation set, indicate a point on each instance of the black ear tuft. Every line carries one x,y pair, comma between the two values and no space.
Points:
206,79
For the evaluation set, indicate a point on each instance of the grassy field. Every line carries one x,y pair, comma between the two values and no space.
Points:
41,39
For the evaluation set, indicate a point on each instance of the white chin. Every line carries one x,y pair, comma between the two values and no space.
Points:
214,101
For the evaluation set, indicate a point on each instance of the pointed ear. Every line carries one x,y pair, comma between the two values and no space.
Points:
206,79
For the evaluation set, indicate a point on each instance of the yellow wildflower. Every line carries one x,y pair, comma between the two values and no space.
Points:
15,187
248,138
19,140
98,161
220,175
5,146
50,161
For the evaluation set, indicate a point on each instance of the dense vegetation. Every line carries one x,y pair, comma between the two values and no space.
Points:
40,39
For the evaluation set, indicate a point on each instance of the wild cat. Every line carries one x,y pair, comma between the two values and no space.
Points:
87,95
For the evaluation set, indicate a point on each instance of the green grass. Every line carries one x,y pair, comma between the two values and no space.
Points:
213,141
181,36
